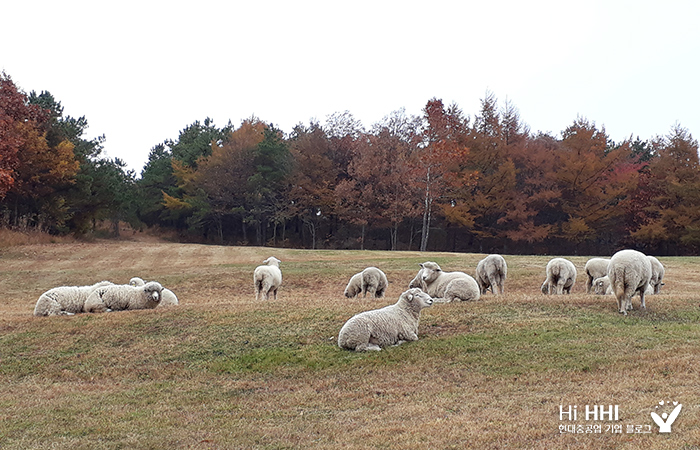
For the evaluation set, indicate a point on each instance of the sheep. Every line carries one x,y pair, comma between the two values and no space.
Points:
124,297
491,274
267,278
561,276
391,325
167,297
629,272
601,286
657,274
371,280
595,268
65,300
447,286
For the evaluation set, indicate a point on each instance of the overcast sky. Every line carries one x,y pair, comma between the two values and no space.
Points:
141,71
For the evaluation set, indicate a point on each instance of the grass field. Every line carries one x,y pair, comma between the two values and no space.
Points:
222,371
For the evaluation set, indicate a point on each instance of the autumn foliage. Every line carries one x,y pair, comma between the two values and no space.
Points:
443,180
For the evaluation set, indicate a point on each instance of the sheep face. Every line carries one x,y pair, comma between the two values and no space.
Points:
417,298
599,286
430,271
153,290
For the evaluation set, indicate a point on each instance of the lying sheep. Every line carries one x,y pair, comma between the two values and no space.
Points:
447,286
629,272
371,280
561,276
595,268
267,278
65,300
167,297
657,274
123,296
601,286
391,325
491,274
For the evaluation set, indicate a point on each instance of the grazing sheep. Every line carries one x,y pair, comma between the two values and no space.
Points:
371,280
122,297
447,286
595,268
65,300
391,325
629,272
657,274
561,276
491,274
601,286
267,278
167,297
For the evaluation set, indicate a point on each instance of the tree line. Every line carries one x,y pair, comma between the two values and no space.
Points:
439,181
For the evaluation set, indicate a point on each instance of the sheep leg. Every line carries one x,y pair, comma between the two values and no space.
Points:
368,347
493,282
641,295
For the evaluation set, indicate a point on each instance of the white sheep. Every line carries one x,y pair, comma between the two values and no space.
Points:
561,276
447,286
657,274
601,286
391,325
267,278
629,272
124,297
167,297
595,268
65,300
491,274
371,280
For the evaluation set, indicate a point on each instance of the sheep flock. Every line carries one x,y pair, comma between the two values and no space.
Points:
626,274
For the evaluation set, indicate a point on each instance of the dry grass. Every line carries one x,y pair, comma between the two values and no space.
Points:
222,371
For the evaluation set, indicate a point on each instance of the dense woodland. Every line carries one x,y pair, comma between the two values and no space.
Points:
440,181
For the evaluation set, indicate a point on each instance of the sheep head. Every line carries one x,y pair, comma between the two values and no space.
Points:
417,299
153,289
430,271
272,261
136,281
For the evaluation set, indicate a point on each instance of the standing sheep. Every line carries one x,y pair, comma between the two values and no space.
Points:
629,272
371,280
267,278
124,297
657,274
491,274
391,325
561,276
447,286
595,268
167,297
65,300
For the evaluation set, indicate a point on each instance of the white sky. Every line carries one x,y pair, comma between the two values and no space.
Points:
141,71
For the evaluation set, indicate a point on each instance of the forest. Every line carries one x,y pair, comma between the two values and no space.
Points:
441,181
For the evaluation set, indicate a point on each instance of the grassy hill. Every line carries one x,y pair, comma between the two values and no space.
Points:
222,371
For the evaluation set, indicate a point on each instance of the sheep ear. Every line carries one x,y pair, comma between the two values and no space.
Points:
421,266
